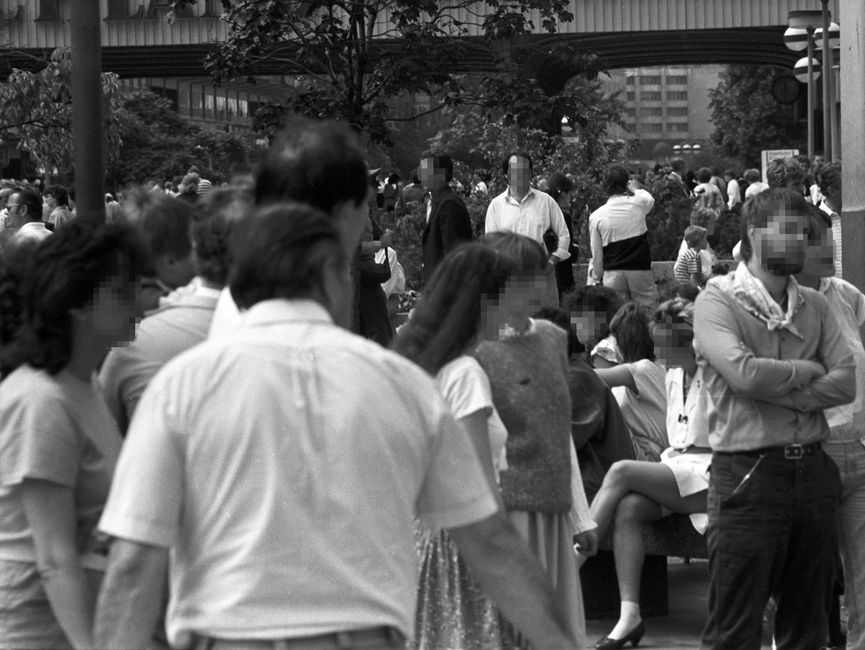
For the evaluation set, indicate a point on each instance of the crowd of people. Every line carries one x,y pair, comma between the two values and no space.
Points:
212,437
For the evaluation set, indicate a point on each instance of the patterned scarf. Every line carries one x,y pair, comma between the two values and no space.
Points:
753,296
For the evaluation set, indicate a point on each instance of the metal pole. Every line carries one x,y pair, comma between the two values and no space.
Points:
87,123
836,117
828,117
811,94
852,21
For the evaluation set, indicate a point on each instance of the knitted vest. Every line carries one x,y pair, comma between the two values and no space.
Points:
528,375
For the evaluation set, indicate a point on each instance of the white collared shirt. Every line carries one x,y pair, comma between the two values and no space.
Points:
284,466
836,235
532,217
35,230
623,216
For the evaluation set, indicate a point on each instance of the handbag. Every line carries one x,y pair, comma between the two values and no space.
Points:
372,272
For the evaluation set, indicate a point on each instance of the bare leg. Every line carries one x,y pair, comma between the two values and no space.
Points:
633,510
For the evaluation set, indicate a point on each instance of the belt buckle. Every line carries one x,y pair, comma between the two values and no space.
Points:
794,452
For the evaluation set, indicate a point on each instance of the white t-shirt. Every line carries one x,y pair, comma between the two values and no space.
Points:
284,466
686,425
58,429
646,411
227,318
755,188
466,389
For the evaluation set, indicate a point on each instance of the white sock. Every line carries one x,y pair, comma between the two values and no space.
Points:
628,620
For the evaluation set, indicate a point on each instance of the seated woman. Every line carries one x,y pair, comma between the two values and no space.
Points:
635,492
638,382
592,308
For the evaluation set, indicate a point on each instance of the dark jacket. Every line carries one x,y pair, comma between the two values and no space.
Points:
449,226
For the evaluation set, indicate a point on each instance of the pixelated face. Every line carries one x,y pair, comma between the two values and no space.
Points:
820,255
429,175
112,312
590,325
519,173
782,244
521,298
673,344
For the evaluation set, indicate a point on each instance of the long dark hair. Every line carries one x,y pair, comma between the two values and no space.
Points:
63,273
633,335
447,317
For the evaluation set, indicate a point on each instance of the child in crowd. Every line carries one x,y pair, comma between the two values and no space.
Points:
638,383
591,309
689,268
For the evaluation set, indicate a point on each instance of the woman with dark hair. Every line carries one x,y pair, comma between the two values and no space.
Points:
634,492
542,490
592,308
560,187
638,382
58,442
56,205
450,319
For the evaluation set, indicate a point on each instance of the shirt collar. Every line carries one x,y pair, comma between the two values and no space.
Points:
825,208
281,310
512,200
32,225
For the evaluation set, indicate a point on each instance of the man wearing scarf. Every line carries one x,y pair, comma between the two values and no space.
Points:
773,358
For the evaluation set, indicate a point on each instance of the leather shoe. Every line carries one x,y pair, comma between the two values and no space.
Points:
634,637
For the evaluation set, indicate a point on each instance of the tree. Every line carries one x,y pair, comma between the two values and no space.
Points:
160,144
36,112
747,119
351,56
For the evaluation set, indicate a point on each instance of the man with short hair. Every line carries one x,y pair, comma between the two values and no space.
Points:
448,221
286,501
204,186
526,211
5,193
411,196
772,357
25,214
787,173
619,239
755,185
708,195
734,196
829,181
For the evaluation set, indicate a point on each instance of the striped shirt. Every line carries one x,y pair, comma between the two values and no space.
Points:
836,235
687,264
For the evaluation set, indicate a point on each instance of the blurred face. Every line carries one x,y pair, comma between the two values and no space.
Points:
430,176
673,344
780,247
589,324
521,298
519,174
111,313
820,255
17,212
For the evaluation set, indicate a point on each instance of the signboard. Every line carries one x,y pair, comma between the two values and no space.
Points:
768,155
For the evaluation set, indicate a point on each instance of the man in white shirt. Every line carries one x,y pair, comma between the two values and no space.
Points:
734,196
829,180
283,467
755,185
526,211
25,215
619,239
5,193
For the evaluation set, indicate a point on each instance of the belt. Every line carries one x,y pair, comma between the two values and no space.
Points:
789,452
351,640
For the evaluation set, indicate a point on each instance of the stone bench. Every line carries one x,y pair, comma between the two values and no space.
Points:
673,536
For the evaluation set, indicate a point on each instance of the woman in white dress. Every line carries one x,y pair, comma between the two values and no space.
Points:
634,492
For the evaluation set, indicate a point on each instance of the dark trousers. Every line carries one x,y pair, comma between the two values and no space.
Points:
775,536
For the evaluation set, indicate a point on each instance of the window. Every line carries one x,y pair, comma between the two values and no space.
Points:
650,79
650,96
677,94
678,127
653,128
650,111
630,80
630,97
630,112
677,111
677,80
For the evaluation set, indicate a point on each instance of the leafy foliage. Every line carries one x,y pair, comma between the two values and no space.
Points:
160,144
36,112
746,117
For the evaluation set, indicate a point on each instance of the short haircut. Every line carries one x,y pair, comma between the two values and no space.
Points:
32,198
780,171
558,316
702,216
695,235
829,177
677,164
506,161
616,177
596,298
162,222
630,326
442,160
528,256
730,173
677,311
59,193
317,162
192,180
393,178
704,174
559,184
214,218
761,208
282,251
752,175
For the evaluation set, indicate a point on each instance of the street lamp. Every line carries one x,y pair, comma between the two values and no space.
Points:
827,40
806,20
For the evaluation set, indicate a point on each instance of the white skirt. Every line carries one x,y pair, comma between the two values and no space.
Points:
692,475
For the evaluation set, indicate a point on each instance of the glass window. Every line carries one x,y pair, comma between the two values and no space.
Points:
630,80
650,79
653,128
677,80
650,111
677,111
677,94
630,97
651,95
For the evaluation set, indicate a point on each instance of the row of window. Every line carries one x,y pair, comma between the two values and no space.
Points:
655,80
658,111
656,95
658,127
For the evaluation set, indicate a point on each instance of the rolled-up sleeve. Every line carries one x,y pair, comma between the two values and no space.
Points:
557,222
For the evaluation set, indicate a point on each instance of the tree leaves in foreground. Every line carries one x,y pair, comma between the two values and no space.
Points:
747,118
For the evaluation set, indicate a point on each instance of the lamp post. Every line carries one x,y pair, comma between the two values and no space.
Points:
827,39
806,20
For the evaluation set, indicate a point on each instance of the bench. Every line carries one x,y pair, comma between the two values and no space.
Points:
672,536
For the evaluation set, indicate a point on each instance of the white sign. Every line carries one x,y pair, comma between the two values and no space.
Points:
767,156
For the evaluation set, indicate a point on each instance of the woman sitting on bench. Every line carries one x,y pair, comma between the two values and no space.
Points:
634,492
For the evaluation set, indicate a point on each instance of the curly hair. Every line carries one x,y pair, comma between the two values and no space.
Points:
781,171
212,222
529,256
64,272
593,297
702,216
631,327
447,317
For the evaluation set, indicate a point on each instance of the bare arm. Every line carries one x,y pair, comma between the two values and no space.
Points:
476,426
618,376
512,577
50,512
131,595
557,223
597,246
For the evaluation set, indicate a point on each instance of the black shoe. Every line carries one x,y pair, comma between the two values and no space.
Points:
634,636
